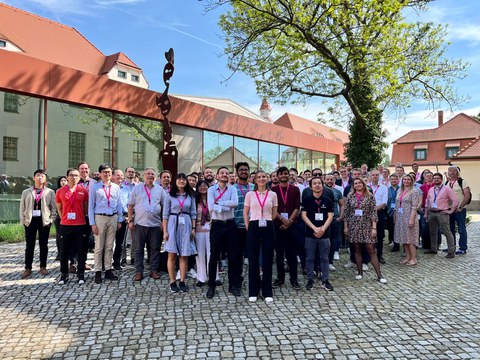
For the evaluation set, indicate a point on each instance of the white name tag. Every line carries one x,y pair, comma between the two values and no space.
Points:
181,220
71,216
150,209
418,216
206,227
400,210
262,223
217,208
358,212
318,216
434,205
392,206
36,213
284,215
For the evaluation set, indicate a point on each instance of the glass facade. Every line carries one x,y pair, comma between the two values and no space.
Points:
246,150
304,161
268,154
217,150
189,144
318,160
288,156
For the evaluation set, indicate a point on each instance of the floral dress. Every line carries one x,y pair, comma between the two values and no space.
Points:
359,214
403,233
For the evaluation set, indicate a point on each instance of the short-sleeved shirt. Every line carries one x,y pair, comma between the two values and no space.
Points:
455,186
253,203
242,190
312,205
148,212
72,203
292,196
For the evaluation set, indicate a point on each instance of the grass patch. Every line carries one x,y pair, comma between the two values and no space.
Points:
14,233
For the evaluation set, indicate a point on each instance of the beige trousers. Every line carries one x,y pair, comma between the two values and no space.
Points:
104,241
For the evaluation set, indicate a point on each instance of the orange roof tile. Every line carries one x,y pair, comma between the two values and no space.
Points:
53,42
472,150
460,126
311,127
118,58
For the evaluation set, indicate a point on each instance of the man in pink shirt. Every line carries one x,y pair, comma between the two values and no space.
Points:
440,203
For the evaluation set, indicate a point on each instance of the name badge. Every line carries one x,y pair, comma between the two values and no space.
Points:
181,220
36,213
434,205
71,216
217,208
418,216
262,223
392,206
150,209
284,215
358,212
206,227
400,210
318,216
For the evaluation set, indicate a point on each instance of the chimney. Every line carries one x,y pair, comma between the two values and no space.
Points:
265,110
440,118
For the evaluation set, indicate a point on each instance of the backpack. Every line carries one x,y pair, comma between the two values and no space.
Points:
460,182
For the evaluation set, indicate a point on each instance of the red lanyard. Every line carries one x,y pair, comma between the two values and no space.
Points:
204,207
452,184
318,202
148,194
240,187
359,200
38,197
221,194
180,203
262,205
284,197
107,195
86,184
375,191
402,196
71,196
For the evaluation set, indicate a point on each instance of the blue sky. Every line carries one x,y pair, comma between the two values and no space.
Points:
144,29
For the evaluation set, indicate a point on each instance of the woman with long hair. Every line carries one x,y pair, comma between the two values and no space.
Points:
406,224
202,233
361,225
259,210
179,217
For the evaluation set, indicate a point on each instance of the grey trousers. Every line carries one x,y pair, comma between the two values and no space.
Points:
311,245
436,220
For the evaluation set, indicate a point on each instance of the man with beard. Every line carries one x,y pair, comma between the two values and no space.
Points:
424,229
380,192
273,179
392,196
336,228
208,176
285,245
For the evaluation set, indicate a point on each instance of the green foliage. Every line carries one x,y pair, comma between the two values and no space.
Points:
12,233
297,50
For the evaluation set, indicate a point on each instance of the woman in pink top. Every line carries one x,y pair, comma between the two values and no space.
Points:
259,210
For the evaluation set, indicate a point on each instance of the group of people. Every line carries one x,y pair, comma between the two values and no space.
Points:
259,216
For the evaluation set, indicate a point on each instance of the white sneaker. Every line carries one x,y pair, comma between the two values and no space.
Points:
268,300
178,275
245,261
81,282
336,255
192,273
331,267
349,265
364,267
382,280
359,277
252,298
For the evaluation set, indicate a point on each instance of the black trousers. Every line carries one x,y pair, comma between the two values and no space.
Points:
73,239
119,238
31,236
286,246
380,231
223,235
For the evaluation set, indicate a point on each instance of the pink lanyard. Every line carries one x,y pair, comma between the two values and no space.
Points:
38,197
241,189
204,207
107,195
318,202
148,194
284,197
71,196
452,184
359,200
221,194
180,203
402,196
262,205
87,184
375,191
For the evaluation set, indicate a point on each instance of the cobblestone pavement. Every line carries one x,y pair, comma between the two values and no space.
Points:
430,311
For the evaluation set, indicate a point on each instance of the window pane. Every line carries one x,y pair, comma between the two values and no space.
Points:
318,160
76,148
268,156
246,150
189,145
329,160
11,102
138,161
288,156
304,161
10,148
217,150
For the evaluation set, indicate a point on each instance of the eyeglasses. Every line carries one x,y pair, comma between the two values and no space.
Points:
317,174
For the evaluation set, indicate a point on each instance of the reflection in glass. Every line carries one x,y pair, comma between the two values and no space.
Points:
268,156
246,150
318,160
329,160
288,156
217,150
189,146
304,160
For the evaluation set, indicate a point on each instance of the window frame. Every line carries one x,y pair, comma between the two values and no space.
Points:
76,149
416,153
8,148
122,74
11,103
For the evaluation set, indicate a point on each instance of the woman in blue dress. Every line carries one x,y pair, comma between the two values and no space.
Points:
179,216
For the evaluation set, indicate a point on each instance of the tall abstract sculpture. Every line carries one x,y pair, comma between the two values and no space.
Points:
169,154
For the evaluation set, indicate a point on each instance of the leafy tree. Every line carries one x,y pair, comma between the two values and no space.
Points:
362,53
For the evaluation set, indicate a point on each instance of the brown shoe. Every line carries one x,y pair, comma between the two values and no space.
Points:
138,277
154,275
87,267
43,271
26,273
450,255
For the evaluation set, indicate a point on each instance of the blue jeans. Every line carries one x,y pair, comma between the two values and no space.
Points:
460,219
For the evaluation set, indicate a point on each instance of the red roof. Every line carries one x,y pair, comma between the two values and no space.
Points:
53,42
460,126
472,150
311,127
118,58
